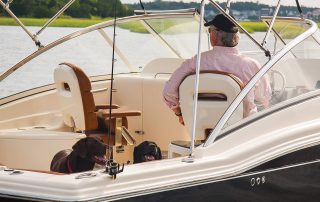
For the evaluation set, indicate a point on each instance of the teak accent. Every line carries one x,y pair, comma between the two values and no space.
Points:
118,113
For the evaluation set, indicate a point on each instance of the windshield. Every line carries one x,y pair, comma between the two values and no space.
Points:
137,43
295,74
180,34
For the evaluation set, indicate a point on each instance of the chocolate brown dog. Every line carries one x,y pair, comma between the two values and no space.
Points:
84,154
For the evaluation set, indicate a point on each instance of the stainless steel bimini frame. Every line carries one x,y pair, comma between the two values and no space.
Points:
164,14
34,37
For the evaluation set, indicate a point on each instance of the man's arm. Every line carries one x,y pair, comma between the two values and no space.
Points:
171,88
177,112
263,91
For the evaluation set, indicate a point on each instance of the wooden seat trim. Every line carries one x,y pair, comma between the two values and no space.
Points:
118,113
89,108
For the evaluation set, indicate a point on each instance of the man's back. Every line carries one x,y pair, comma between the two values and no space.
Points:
227,59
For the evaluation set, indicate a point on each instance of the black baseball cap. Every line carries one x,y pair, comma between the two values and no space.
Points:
221,22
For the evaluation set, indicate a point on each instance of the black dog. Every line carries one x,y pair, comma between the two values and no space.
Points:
86,152
146,151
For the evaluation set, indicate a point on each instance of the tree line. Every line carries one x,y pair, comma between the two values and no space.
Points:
79,8
238,6
104,8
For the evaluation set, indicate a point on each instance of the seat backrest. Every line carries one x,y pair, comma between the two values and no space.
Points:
216,92
74,89
161,66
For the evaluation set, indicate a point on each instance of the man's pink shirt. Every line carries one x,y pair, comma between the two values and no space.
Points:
226,59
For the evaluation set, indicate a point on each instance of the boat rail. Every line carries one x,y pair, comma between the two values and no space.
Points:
141,12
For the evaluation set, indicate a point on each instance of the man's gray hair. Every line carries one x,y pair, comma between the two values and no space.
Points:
227,39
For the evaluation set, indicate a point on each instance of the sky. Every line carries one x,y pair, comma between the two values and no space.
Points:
308,3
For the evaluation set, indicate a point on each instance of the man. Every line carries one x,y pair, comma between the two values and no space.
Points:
224,36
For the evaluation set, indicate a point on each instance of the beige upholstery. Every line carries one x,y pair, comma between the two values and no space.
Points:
74,88
216,92
160,66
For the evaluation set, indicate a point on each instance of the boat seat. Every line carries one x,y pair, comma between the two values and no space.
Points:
216,92
80,113
79,110
74,88
161,66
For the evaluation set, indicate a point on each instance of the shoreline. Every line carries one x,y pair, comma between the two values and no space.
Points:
78,22
63,22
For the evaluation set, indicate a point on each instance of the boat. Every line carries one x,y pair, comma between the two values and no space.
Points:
271,155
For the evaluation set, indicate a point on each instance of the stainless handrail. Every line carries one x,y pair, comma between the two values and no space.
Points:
32,36
159,37
264,41
99,90
55,16
227,7
196,87
141,12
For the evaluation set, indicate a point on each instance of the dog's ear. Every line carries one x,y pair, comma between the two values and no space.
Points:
80,148
155,150
158,153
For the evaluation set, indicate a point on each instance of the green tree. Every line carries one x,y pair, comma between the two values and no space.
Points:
42,11
79,9
22,8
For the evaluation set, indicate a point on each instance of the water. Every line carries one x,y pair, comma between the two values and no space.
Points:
15,44
88,51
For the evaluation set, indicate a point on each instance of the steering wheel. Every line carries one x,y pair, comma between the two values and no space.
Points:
276,88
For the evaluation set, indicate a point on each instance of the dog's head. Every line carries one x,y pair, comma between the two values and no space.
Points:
91,148
147,151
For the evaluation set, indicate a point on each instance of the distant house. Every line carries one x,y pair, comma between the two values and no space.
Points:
315,14
254,15
266,11
240,15
292,13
